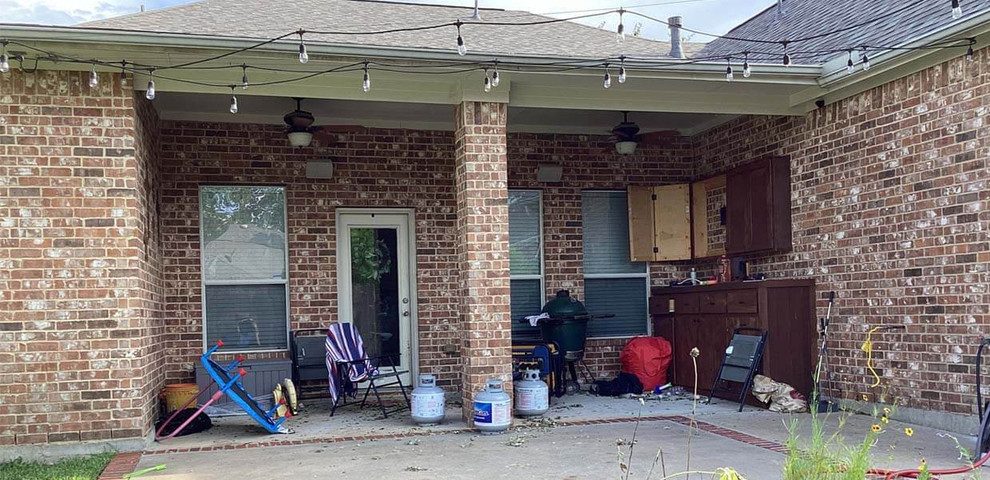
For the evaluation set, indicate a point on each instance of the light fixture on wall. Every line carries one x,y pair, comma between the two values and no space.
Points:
299,126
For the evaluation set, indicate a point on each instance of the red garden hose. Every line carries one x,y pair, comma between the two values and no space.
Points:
913,472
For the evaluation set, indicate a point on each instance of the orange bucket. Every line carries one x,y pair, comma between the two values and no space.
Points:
177,394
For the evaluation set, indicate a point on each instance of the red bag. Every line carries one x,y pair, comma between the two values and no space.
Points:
648,358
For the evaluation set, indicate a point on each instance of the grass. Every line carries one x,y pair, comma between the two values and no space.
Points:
76,468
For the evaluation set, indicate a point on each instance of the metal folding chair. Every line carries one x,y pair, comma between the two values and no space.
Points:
741,362
349,365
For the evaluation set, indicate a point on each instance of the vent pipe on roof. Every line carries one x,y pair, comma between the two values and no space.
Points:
674,23
477,15
142,7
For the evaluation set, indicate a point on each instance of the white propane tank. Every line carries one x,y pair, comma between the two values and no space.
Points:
427,402
492,409
532,394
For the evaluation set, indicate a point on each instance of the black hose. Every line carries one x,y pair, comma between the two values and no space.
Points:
979,366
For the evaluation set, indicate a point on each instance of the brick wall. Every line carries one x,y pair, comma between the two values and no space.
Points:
78,283
891,209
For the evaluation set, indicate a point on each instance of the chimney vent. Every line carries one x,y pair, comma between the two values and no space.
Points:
675,37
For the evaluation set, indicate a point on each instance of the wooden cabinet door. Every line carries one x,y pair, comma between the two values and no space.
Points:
738,219
760,207
708,333
641,229
672,222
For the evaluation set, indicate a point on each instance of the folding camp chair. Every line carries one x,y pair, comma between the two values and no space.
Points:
309,360
741,361
350,365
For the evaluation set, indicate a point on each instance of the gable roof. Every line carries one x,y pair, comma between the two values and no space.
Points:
903,20
265,19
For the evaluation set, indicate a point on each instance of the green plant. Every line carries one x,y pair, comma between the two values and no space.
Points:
76,468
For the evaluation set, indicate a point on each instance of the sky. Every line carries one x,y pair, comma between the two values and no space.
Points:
715,16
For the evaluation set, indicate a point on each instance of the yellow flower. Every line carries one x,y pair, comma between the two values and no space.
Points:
866,398
910,432
924,464
876,428
886,410
884,419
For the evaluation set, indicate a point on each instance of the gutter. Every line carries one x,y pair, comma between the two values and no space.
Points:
796,74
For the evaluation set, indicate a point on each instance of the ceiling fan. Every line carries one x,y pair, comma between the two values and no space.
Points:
626,136
300,130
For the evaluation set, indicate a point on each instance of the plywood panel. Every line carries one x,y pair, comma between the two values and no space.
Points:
672,222
641,228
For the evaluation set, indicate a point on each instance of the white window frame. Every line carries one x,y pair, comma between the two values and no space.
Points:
645,275
202,268
542,276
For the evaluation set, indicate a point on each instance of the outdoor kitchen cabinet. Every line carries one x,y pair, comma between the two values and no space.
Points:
758,207
705,316
659,223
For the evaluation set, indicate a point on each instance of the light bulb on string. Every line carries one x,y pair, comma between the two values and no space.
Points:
787,57
850,65
94,78
622,69
865,58
366,80
495,78
4,60
233,100
620,30
746,70
123,73
461,48
607,82
956,9
150,92
244,79
303,54
728,70
969,52
488,81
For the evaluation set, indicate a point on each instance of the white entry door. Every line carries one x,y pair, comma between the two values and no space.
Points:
376,281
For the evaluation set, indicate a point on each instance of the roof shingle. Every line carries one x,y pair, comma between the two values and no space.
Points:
265,19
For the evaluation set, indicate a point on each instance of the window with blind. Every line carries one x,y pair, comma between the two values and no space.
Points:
525,259
244,267
612,283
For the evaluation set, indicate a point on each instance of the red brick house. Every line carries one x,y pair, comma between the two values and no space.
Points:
134,232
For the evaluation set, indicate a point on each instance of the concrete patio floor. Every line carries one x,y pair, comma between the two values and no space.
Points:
575,440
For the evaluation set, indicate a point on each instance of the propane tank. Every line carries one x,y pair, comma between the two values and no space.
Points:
532,394
492,409
427,402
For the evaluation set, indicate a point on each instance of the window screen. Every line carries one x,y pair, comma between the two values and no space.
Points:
525,259
612,283
243,233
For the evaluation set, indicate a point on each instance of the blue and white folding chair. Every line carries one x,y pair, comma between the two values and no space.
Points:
349,365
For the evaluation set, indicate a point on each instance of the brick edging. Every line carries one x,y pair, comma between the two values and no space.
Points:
120,464
703,426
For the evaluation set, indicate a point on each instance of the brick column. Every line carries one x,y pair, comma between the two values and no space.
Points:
480,181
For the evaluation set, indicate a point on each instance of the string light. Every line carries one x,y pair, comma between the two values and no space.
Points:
620,31
607,82
969,50
233,100
150,92
746,70
94,79
461,48
865,59
956,10
123,73
787,57
622,69
488,81
366,81
303,54
728,69
495,75
4,60
850,66
244,79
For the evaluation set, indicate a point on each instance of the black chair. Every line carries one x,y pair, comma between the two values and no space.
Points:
309,357
741,362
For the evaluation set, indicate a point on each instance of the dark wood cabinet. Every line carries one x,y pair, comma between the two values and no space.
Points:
706,316
758,206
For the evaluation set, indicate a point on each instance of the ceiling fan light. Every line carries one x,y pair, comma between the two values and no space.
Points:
625,147
300,139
